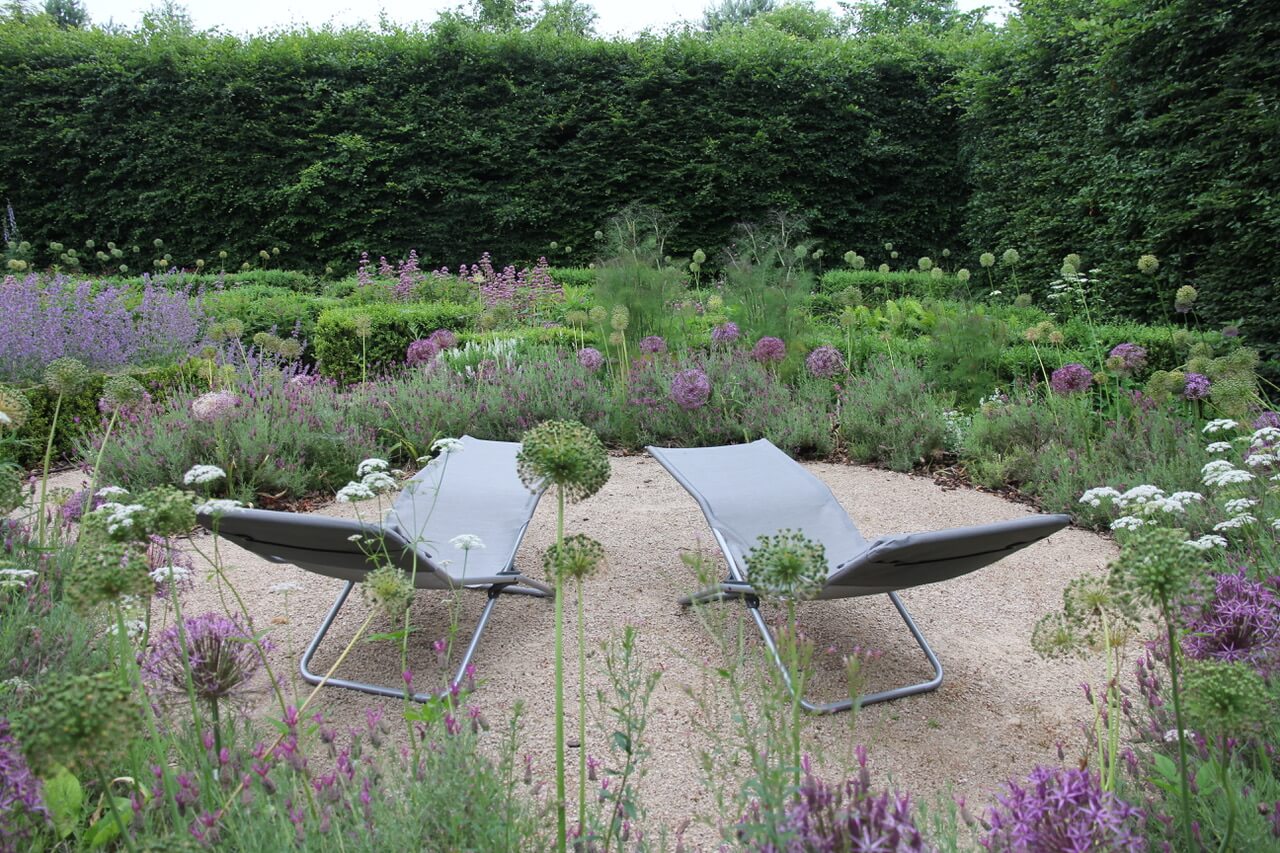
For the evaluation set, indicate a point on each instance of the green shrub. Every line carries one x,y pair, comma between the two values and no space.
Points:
344,355
581,277
263,308
889,415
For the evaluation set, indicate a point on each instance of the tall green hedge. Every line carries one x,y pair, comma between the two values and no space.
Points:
1137,127
455,142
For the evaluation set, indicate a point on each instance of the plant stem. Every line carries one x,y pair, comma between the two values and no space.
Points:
44,479
562,832
1183,789
115,812
1231,800
582,717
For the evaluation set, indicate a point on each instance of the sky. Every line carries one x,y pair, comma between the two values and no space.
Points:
617,17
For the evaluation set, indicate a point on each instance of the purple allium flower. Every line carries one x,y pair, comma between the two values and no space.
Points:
843,817
825,362
1267,419
768,350
1197,387
590,358
1071,378
653,344
221,652
421,351
1240,623
1132,357
214,405
21,805
443,339
1062,810
691,389
74,507
725,333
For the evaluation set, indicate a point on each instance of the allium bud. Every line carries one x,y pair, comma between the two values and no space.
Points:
925,264
14,409
1148,264
1010,256
566,454
884,268
699,256
987,259
787,565
65,376
121,393
962,274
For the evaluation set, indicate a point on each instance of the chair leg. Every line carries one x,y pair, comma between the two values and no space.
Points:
753,604
392,692
719,592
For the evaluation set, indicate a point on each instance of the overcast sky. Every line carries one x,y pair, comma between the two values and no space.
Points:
249,16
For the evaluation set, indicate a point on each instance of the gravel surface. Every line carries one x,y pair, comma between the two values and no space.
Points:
1000,711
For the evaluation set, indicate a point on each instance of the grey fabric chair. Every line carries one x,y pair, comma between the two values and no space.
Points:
474,490
752,490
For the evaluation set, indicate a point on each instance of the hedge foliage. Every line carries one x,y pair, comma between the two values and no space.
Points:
455,141
1138,126
346,354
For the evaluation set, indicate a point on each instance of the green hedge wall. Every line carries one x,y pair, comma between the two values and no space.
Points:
455,142
1138,126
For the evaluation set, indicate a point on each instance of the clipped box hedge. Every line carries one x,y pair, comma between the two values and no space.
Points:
343,355
263,309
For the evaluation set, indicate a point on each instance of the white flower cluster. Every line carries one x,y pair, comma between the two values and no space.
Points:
1275,524
110,492
1219,447
170,574
1145,499
368,466
1242,520
1205,543
1127,522
285,587
1220,472
199,475
15,578
1265,437
1219,425
353,492
467,542
1239,505
1094,497
448,445
219,506
119,516
1257,460
133,628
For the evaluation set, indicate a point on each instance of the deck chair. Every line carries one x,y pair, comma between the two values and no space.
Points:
750,490
474,490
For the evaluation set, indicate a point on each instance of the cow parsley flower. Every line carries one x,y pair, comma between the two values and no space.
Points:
1258,460
1219,425
379,482
1265,437
1139,495
200,475
467,542
1239,521
1207,542
111,492
1127,522
1218,447
1094,497
1239,505
219,506
353,492
368,466
170,574
1220,472
448,445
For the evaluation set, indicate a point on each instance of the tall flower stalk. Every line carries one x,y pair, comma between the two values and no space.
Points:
570,457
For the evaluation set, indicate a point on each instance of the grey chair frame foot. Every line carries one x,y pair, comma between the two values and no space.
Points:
526,586
731,589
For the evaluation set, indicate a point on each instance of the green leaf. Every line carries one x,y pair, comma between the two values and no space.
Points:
105,829
64,798
623,741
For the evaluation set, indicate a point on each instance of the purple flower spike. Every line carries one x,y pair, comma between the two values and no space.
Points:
421,351
653,344
725,333
1267,419
21,806
1070,379
1197,387
769,350
1062,810
691,389
590,358
825,362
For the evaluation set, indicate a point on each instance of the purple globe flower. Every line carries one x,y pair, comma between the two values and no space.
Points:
1240,623
653,345
1062,809
1267,419
421,351
1197,387
443,339
214,405
691,389
1070,379
769,350
220,652
725,333
590,358
1130,357
825,362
